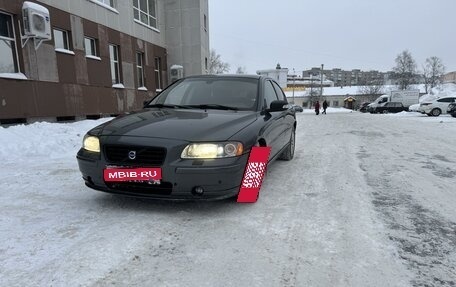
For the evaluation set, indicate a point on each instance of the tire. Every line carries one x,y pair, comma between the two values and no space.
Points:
436,112
385,111
288,153
453,115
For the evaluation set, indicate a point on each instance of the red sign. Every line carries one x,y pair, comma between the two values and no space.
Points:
254,174
128,174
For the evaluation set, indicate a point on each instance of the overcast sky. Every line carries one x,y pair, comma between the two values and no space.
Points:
347,34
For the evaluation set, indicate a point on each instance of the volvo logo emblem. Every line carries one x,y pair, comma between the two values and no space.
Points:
132,155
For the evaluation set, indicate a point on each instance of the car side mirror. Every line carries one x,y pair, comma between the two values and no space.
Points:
278,106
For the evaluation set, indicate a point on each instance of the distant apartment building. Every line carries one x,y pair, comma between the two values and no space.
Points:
449,78
344,78
66,59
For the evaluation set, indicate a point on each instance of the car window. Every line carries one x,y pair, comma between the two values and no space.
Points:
241,93
269,93
279,92
445,100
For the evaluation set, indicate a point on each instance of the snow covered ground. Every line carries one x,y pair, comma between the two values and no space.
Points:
367,201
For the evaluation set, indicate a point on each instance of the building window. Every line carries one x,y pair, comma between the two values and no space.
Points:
145,12
108,2
140,69
157,70
114,59
335,103
90,47
8,51
61,39
205,63
205,22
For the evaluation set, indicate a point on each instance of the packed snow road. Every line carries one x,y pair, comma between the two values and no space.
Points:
367,201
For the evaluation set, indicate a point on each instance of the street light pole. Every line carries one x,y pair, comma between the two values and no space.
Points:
293,83
321,81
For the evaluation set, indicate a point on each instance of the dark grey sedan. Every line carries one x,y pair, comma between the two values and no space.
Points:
390,107
192,141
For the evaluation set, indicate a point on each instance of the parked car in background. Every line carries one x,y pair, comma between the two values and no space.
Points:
414,108
390,107
452,109
297,108
363,107
436,107
192,141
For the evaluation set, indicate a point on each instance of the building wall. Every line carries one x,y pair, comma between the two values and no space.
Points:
345,78
449,77
72,85
279,75
187,35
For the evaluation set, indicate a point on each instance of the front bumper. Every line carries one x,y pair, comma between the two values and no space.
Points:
220,178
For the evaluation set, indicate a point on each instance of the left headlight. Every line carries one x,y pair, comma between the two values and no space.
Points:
91,143
212,150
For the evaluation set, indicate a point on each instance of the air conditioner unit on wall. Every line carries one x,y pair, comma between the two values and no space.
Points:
37,23
176,73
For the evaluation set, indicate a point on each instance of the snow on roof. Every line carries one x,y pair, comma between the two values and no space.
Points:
36,7
445,90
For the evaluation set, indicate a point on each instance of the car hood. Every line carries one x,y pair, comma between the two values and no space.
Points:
188,125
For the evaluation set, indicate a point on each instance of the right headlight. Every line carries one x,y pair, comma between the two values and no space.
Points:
91,143
212,150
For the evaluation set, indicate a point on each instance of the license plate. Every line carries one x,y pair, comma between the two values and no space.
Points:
132,174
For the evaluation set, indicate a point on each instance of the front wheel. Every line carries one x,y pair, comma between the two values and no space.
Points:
288,153
385,111
453,115
436,112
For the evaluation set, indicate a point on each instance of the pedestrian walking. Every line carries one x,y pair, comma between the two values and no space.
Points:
317,108
325,106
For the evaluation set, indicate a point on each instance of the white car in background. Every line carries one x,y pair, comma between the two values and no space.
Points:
414,108
436,107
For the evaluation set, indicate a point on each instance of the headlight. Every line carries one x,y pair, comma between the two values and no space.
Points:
91,143
212,150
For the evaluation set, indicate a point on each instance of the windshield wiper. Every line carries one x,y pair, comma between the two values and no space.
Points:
166,106
214,106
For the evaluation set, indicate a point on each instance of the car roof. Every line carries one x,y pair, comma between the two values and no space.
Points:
233,76
446,97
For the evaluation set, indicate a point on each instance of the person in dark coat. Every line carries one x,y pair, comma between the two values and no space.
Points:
317,108
325,106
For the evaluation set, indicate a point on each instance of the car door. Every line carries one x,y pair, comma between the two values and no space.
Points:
273,121
287,118
397,107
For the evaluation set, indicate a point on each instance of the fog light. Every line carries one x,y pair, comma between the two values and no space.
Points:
198,190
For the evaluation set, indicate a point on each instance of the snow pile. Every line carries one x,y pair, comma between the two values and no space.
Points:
445,90
329,110
52,140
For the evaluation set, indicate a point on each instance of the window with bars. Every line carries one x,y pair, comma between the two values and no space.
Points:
145,11
8,50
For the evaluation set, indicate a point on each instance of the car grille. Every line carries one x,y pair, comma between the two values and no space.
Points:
154,156
142,188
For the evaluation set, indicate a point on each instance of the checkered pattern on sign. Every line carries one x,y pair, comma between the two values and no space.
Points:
254,175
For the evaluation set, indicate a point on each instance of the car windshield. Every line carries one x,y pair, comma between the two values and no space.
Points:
210,93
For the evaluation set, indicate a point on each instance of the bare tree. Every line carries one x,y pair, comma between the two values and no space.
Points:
216,65
405,70
241,70
373,87
313,96
433,71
